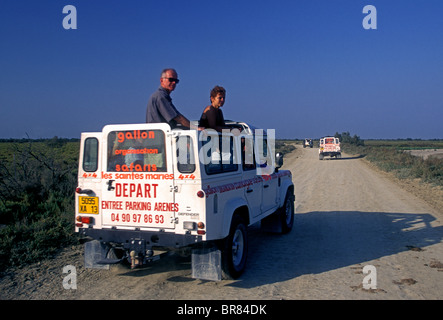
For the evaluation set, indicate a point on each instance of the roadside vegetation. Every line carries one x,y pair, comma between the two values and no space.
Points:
390,156
284,146
37,183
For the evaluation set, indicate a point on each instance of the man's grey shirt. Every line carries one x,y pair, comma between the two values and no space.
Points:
161,109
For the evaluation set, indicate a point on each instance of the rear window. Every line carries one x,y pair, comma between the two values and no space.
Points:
90,155
136,151
185,154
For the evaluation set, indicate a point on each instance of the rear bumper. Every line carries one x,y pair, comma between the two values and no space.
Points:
330,153
148,238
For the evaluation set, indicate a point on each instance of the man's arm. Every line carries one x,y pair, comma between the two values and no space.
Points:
183,121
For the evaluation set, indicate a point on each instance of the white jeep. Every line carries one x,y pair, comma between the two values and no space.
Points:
329,146
144,188
308,143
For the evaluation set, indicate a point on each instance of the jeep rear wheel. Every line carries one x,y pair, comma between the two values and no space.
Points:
287,213
235,249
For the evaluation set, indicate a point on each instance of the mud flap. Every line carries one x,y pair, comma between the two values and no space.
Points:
206,264
95,251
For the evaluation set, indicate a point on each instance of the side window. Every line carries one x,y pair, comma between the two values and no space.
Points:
220,154
90,155
247,154
261,149
136,151
185,154
265,155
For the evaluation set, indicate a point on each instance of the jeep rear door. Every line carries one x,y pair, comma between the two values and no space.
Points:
138,177
88,193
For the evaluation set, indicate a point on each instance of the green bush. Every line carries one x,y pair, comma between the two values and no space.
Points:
345,137
37,183
283,147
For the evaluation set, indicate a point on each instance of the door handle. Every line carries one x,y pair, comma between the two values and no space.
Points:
249,190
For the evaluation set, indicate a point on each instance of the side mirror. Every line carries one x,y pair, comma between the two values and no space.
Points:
278,160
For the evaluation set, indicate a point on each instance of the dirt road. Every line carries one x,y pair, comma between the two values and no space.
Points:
348,217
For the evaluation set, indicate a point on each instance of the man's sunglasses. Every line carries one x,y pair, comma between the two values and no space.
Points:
173,80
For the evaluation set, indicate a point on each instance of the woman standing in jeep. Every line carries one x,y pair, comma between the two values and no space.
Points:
212,116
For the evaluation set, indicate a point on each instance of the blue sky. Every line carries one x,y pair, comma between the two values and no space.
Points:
304,68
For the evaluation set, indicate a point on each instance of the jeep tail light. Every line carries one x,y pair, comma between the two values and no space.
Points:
86,191
200,194
201,226
87,220
81,220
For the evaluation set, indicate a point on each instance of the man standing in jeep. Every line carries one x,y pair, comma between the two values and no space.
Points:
160,107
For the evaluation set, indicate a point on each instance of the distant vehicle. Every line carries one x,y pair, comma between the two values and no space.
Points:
329,146
308,143
141,189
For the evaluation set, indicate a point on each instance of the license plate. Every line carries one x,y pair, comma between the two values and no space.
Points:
88,205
